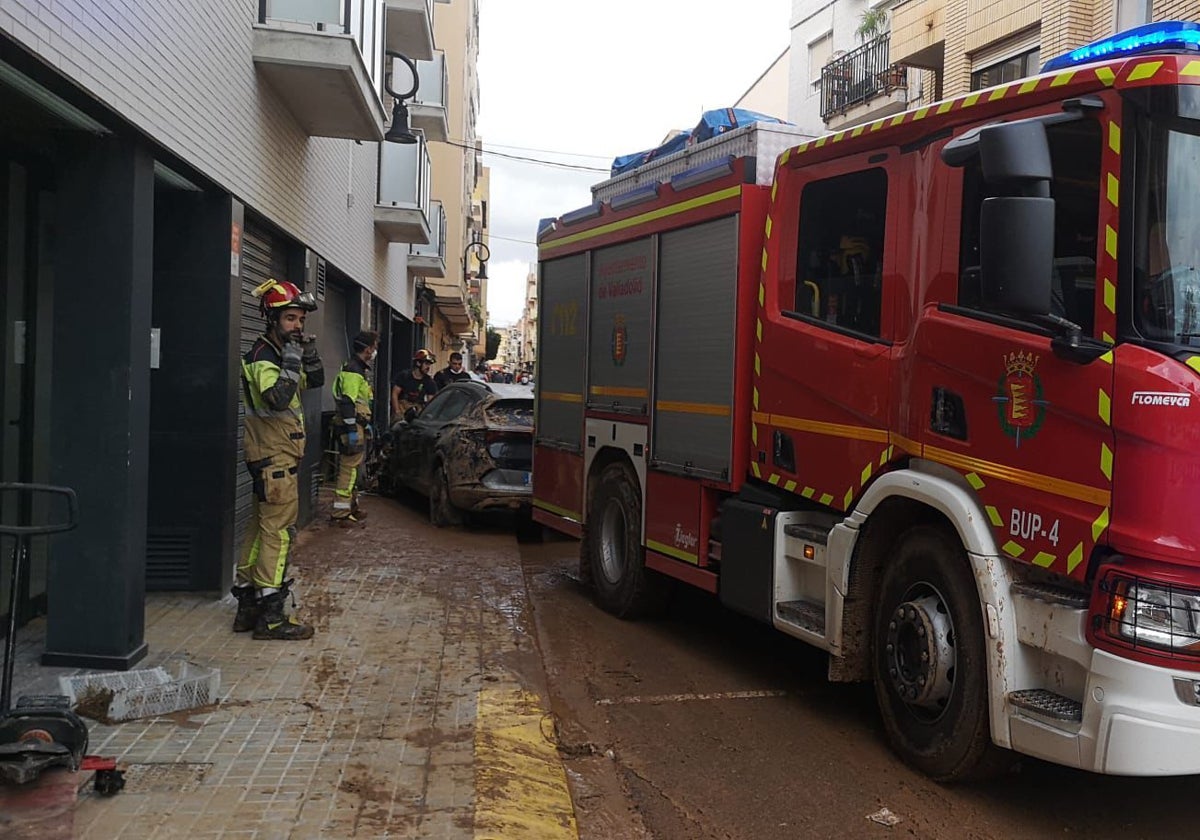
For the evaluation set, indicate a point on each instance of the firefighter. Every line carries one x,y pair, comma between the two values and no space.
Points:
352,394
281,364
413,388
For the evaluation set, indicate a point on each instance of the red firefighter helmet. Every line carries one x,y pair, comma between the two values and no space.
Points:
275,295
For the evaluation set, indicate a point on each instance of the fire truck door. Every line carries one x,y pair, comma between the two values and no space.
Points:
1031,432
821,420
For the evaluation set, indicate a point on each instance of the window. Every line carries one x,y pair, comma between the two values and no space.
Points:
447,406
1017,67
1075,158
840,258
818,56
1131,13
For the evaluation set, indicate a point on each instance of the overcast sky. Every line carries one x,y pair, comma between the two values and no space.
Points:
583,82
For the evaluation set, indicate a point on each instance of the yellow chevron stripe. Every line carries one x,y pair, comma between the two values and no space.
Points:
1144,71
560,396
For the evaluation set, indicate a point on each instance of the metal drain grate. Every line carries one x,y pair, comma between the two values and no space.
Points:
172,777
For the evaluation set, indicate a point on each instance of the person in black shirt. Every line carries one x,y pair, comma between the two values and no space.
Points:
454,372
413,388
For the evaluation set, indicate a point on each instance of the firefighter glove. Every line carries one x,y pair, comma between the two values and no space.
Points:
311,357
292,354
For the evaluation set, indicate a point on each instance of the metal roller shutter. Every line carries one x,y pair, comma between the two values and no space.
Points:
697,293
562,299
264,256
619,314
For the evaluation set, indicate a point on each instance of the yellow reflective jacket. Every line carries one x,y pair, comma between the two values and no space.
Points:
352,391
274,417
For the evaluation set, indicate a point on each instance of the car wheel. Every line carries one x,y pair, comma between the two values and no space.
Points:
930,665
441,511
622,583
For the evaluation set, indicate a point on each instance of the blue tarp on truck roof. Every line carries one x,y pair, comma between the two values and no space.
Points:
711,124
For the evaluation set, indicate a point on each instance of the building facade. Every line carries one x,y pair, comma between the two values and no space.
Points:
854,61
157,163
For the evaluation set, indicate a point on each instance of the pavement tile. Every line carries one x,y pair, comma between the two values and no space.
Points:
367,730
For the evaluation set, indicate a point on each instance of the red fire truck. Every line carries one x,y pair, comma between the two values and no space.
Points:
924,393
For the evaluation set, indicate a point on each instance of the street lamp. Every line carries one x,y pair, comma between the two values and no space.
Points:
400,132
484,256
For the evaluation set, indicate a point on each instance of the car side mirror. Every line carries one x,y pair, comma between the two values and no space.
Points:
410,414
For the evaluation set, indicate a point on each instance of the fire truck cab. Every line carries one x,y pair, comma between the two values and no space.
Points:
925,393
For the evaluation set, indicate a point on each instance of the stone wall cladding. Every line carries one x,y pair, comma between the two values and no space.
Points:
183,74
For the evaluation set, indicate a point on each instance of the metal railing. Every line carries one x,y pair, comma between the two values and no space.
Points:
437,234
404,173
434,88
859,77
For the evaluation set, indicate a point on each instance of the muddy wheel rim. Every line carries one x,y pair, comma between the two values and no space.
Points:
921,652
612,542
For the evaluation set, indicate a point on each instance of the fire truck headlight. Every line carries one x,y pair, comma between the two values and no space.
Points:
1152,614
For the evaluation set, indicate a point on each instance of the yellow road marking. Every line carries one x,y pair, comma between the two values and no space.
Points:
520,785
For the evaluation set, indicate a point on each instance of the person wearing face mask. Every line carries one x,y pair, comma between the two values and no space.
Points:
353,395
282,363
453,372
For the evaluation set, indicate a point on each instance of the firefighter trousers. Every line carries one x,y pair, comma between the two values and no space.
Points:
272,526
345,496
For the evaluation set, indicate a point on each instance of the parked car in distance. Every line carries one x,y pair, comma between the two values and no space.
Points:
470,449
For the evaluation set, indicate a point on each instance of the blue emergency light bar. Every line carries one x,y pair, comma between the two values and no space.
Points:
1165,36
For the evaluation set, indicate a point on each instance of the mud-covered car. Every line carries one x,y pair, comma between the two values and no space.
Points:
470,449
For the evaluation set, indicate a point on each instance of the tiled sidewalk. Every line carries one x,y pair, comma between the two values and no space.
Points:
370,729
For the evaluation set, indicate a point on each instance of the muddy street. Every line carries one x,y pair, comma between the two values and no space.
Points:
709,725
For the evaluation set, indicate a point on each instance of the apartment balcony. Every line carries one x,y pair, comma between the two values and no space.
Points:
430,260
862,85
409,28
449,297
919,34
427,109
310,52
403,207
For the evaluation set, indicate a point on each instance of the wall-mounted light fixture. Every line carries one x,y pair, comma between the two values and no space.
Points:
400,131
484,255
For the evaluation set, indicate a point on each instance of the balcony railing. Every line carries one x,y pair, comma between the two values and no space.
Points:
404,172
324,59
436,249
434,87
859,77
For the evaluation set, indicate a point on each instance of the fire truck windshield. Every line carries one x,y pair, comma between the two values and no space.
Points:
1166,240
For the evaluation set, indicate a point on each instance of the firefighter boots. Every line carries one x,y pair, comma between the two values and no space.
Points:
247,610
274,624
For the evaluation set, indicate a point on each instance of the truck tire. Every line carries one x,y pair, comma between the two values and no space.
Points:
441,511
929,663
617,560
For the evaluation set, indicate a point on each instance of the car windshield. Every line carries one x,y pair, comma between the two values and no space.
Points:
510,413
1166,245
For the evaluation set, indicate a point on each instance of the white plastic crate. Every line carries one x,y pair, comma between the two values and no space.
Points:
147,692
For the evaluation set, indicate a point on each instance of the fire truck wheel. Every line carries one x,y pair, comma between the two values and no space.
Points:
623,584
930,667
441,511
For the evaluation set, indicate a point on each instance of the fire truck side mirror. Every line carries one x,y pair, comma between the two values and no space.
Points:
1016,153
1016,250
